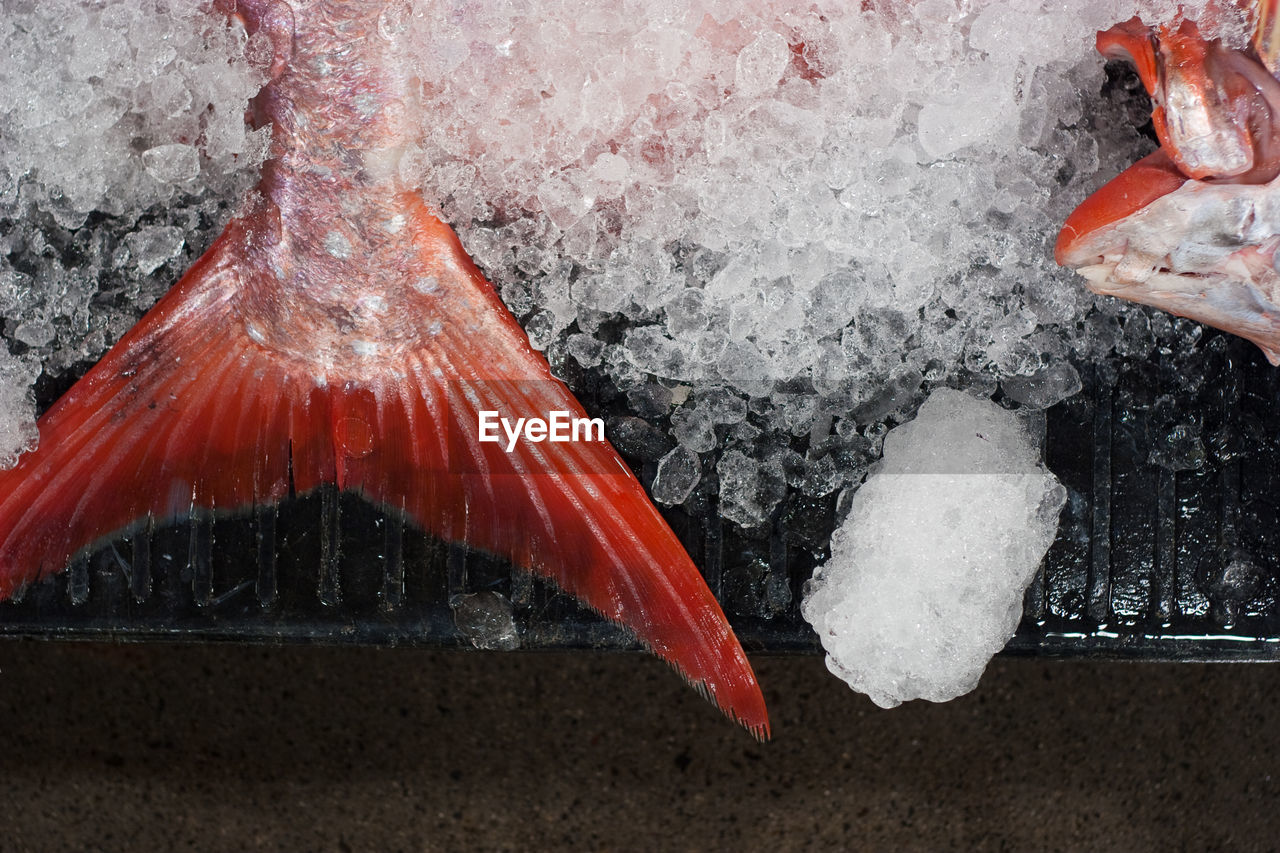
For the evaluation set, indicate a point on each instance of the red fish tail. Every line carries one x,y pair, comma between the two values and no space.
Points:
196,408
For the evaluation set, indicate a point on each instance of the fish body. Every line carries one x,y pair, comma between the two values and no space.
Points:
337,332
1193,228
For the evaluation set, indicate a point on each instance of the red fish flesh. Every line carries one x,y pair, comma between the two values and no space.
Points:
337,332
1194,227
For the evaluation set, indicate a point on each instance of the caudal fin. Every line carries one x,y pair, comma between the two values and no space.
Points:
191,409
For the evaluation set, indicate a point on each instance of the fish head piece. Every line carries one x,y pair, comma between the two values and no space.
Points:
1193,228
1199,249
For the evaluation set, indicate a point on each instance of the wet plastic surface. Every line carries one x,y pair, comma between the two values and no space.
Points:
1166,549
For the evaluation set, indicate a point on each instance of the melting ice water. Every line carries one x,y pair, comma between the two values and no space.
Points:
926,577
774,226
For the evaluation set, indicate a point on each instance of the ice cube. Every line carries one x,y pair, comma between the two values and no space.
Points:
760,64
486,619
749,488
678,475
154,245
18,432
1044,388
172,164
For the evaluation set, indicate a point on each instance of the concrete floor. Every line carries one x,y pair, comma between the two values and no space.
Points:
234,748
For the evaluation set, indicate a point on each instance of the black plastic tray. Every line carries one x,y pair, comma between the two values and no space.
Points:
1166,549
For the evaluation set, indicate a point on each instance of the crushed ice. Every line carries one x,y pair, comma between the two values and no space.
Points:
927,574
801,218
123,149
774,227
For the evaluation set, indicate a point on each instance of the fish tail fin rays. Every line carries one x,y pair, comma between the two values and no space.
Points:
568,510
192,410
178,416
571,513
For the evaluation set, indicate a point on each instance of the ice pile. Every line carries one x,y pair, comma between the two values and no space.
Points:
115,107
926,577
774,226
788,221
123,147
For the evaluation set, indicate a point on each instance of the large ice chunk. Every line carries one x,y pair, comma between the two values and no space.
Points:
926,577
